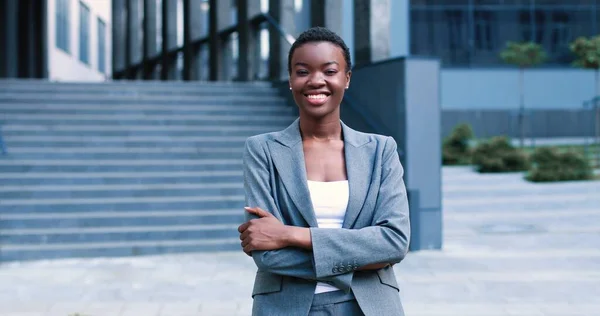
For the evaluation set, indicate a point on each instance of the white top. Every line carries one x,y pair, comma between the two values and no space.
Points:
330,200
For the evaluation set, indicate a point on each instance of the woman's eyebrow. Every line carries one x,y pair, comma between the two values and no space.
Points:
324,64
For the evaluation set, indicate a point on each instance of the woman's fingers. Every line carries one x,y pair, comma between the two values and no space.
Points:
258,211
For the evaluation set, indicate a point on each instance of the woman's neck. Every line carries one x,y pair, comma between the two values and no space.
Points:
320,130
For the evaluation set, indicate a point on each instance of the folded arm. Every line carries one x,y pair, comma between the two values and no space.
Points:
289,261
385,242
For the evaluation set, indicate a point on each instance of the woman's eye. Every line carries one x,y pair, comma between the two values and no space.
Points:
331,72
301,72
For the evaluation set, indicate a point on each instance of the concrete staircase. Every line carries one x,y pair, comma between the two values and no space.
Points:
126,168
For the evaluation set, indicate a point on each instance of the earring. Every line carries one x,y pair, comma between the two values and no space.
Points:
290,88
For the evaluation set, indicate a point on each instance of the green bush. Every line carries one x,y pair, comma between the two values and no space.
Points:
455,149
548,164
498,155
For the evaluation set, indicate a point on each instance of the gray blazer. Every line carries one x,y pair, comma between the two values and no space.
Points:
376,227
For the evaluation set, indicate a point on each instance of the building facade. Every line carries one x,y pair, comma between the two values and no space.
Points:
243,39
59,40
477,87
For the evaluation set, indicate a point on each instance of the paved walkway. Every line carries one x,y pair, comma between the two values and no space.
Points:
510,248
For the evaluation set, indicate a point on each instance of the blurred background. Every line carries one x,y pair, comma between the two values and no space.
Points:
122,124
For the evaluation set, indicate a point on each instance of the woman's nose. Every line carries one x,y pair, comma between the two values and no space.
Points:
316,80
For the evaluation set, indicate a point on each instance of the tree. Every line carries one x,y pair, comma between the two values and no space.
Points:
523,55
587,55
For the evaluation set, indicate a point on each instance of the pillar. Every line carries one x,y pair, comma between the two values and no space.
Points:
192,29
149,39
215,60
119,18
10,44
246,43
169,39
134,55
336,15
283,12
381,30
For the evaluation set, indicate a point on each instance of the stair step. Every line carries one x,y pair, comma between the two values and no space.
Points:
262,111
119,187
144,117
121,204
90,140
53,98
47,195
137,130
121,178
116,168
176,222
116,249
110,234
217,153
161,108
127,168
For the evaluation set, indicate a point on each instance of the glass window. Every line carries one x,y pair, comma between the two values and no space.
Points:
474,33
62,25
101,46
84,33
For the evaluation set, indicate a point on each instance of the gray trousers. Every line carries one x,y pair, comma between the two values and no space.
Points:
337,303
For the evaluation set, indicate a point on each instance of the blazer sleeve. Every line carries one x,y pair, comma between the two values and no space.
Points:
386,241
290,261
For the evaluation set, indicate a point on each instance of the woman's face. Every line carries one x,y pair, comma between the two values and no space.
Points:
318,78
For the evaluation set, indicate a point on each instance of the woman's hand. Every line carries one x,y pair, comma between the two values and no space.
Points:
263,233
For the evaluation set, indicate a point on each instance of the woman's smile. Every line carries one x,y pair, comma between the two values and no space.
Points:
317,99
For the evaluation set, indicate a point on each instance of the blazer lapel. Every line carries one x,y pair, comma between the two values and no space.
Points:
288,156
358,168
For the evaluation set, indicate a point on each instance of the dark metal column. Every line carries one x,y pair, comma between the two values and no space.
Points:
362,31
283,12
192,28
247,43
169,38
3,31
11,39
133,37
119,19
317,12
28,54
149,37
215,59
43,40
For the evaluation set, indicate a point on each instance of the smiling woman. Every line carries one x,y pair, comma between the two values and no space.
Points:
327,211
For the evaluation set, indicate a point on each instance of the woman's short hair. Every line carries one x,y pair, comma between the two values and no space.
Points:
320,34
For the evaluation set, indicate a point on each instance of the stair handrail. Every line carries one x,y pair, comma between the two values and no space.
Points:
286,35
377,128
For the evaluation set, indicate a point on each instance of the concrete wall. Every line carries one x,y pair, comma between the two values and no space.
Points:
400,97
64,66
499,88
488,99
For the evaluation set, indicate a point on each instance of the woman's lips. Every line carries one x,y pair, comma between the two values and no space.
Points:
317,99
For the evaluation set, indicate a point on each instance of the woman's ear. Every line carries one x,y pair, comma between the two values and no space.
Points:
348,75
